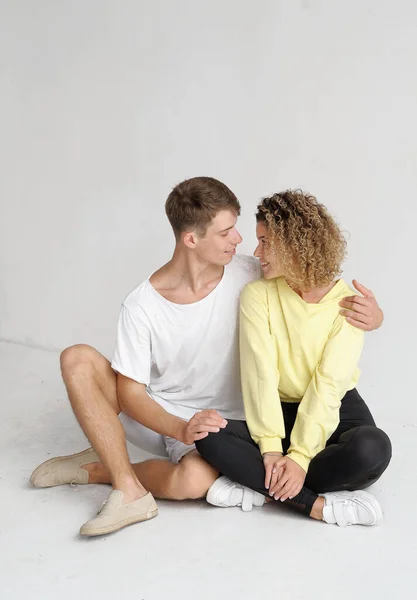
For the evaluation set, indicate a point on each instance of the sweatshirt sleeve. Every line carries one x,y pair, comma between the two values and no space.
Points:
318,413
259,373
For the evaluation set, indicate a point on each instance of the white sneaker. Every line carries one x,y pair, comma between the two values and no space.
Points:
351,508
226,493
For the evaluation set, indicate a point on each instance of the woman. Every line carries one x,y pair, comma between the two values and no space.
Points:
310,440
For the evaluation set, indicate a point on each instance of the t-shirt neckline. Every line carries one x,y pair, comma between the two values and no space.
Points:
213,291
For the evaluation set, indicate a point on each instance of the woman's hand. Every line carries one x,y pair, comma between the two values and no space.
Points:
271,471
290,479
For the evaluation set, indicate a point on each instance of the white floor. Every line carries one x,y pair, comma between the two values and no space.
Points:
191,550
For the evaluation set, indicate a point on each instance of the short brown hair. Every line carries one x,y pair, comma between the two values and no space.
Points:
307,239
194,203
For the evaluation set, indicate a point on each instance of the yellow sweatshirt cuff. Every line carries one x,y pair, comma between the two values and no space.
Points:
270,444
300,459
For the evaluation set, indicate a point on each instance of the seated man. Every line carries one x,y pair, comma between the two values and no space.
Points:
174,377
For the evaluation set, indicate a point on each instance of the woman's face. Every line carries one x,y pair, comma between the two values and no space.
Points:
270,264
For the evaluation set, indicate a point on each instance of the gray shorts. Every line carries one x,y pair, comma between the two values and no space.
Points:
153,442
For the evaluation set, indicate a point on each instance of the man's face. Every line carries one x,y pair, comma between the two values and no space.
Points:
219,244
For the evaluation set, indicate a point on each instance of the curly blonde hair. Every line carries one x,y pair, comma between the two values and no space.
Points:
308,241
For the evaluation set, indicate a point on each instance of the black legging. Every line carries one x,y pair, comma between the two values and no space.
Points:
356,454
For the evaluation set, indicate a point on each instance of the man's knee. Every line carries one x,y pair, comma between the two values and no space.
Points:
193,477
74,357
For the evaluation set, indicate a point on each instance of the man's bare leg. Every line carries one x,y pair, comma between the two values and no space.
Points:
91,387
190,479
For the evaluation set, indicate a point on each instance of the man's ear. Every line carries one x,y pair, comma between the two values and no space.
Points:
189,239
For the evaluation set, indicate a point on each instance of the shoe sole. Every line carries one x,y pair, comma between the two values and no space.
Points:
51,461
113,528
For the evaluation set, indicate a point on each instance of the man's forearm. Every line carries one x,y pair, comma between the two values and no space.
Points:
139,406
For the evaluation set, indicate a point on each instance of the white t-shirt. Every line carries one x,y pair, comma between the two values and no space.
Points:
186,354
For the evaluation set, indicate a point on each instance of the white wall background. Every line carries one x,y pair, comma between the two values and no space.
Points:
106,104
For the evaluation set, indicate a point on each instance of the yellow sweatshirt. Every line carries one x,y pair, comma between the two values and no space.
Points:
293,351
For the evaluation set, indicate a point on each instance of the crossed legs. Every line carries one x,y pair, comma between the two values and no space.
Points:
91,387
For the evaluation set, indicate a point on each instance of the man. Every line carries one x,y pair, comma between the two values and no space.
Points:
174,377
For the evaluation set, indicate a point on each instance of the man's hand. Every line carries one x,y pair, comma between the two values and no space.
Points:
200,425
290,481
362,312
272,472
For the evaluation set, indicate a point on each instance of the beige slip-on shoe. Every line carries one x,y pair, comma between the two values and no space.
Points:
63,469
115,514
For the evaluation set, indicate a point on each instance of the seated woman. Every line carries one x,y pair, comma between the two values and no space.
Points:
310,440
